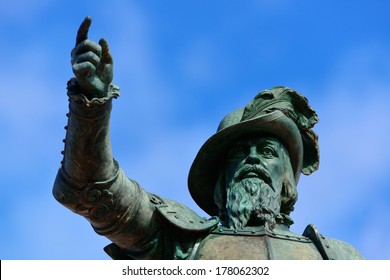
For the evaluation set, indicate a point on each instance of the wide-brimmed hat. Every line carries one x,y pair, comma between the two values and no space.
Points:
280,112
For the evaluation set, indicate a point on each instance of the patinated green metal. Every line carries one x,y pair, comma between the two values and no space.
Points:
245,177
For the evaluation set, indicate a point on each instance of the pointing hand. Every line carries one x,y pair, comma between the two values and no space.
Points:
92,63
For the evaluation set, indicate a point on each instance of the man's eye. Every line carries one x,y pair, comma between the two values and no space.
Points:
268,152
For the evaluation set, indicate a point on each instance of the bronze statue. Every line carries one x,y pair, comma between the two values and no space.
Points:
245,176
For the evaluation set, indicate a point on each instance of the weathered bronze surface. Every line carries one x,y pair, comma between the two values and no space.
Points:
244,176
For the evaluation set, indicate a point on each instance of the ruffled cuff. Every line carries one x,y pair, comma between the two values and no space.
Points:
83,107
75,93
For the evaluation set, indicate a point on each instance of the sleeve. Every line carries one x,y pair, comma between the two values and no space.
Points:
91,184
126,214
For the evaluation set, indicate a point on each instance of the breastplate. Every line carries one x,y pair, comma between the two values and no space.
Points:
256,244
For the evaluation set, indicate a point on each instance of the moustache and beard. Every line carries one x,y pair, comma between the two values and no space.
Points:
252,200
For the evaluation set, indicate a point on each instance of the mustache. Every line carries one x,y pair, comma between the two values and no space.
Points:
258,169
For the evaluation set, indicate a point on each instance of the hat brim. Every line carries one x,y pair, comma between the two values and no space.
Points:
205,169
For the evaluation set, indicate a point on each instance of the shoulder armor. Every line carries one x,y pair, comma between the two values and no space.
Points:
344,251
320,242
176,214
331,249
183,217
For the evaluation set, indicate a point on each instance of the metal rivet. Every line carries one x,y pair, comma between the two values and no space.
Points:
202,222
62,152
65,127
220,230
176,216
253,232
235,231
67,114
191,222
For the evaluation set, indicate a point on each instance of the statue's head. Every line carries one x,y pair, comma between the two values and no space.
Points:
248,171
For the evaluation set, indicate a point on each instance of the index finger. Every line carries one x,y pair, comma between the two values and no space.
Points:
82,33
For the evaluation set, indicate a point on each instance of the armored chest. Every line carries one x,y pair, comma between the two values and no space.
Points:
256,244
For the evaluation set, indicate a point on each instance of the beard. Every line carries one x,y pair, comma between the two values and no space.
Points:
252,202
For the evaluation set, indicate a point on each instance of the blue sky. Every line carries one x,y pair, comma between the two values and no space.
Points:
181,66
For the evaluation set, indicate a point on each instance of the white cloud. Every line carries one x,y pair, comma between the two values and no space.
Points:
353,130
200,62
354,136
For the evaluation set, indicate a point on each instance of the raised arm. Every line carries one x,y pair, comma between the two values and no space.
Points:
87,155
89,181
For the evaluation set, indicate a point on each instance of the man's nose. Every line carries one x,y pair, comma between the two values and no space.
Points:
253,156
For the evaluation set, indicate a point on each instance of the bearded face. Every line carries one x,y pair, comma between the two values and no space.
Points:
251,202
257,178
